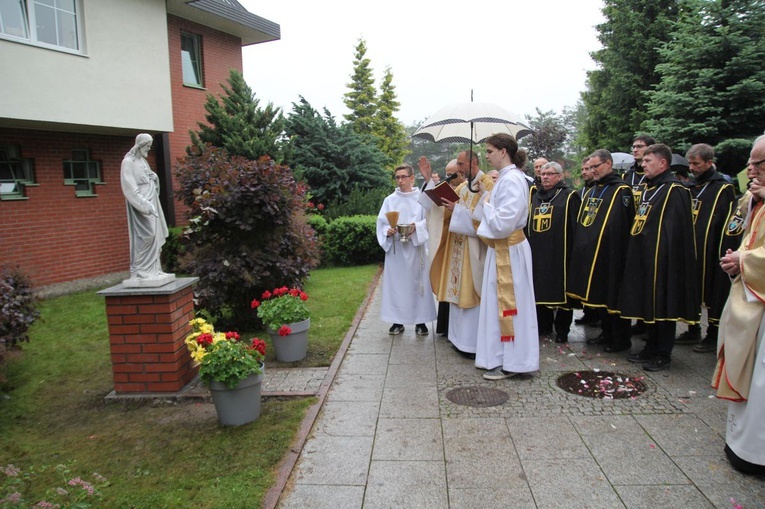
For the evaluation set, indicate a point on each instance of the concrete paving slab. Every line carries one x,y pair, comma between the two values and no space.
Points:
418,402
570,483
405,375
546,438
365,364
413,354
722,484
491,471
652,497
325,497
410,484
498,496
477,438
357,388
335,460
633,459
408,440
681,435
371,344
348,418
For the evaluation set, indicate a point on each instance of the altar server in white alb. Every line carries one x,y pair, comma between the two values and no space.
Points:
508,340
407,297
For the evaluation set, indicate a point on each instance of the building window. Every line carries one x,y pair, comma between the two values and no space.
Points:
15,173
82,173
191,59
53,23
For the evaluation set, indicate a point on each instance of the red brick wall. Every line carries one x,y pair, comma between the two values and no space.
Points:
220,53
55,236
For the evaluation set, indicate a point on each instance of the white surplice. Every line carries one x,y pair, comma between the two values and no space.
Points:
407,297
506,212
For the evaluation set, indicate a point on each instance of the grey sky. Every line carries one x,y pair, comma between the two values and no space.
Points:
518,54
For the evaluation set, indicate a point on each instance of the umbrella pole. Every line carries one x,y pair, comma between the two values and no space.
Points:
470,159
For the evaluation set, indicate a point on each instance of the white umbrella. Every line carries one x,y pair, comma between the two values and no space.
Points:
622,160
470,122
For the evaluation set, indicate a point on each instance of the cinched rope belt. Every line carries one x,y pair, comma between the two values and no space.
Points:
505,288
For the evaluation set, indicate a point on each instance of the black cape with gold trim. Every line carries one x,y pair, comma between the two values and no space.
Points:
635,178
550,232
600,241
713,198
661,281
730,239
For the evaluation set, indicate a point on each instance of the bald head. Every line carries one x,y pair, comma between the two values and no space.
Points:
451,168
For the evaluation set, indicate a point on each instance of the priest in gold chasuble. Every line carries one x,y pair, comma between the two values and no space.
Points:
740,372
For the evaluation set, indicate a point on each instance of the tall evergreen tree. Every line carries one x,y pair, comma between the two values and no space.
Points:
239,125
615,96
332,159
390,133
712,84
362,98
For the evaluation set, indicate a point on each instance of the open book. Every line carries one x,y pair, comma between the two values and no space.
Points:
442,190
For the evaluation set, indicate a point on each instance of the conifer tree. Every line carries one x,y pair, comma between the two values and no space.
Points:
712,84
615,96
332,159
239,125
362,97
390,133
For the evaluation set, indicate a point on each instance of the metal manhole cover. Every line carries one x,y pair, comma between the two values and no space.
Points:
477,396
601,384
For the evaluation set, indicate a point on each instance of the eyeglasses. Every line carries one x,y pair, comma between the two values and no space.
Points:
402,177
756,163
638,146
594,166
549,174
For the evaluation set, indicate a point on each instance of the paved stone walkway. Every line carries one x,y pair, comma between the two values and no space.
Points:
387,436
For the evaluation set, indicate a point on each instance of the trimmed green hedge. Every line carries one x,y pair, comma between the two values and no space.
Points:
353,241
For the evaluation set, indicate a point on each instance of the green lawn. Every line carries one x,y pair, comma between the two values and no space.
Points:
159,453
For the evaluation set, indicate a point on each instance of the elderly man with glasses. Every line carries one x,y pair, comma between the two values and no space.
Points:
600,241
550,230
740,373
406,295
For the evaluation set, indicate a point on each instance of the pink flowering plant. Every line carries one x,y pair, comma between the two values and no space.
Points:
223,356
70,493
280,307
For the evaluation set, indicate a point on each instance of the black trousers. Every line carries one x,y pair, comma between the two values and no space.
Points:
442,323
614,327
661,338
558,317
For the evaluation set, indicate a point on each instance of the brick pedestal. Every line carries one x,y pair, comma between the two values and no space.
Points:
147,329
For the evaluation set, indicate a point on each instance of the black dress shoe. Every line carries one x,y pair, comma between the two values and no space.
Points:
600,340
689,337
658,363
617,347
640,357
561,339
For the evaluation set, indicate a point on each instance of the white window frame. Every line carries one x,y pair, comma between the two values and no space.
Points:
199,68
28,13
